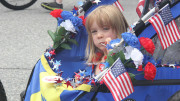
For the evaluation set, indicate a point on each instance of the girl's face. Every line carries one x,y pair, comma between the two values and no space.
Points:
100,35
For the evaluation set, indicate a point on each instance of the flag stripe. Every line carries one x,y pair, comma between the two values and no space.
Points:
117,86
112,86
127,84
165,27
125,88
154,24
130,83
170,31
173,31
117,4
169,35
122,86
176,29
109,87
163,32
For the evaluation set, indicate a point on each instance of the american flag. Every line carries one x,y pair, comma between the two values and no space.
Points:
140,7
165,27
118,81
118,5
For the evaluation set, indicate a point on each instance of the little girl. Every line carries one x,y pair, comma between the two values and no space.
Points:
103,24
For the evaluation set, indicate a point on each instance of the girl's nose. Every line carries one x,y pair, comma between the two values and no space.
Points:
100,35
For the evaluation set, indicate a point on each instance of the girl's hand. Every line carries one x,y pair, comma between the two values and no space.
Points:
107,42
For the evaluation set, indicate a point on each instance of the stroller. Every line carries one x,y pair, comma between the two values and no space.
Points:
166,82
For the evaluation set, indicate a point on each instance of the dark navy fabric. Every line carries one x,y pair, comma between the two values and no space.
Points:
103,2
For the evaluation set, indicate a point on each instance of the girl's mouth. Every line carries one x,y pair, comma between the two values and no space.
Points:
103,43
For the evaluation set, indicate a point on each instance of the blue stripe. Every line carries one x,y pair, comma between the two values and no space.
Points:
34,85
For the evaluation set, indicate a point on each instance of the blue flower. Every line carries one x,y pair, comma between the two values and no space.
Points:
77,22
60,21
148,59
112,43
108,46
131,40
66,15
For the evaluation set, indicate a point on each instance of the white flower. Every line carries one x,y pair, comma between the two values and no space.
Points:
128,50
67,24
137,57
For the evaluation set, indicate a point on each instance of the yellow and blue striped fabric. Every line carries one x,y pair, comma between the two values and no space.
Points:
42,91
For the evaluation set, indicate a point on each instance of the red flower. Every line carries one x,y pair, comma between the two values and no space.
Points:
147,44
150,71
83,20
56,13
140,68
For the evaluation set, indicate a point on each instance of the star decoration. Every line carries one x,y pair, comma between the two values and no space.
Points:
58,63
75,10
55,67
51,61
68,83
82,73
73,84
47,54
52,52
59,81
96,1
77,76
93,82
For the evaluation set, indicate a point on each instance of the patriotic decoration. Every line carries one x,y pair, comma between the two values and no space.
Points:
165,27
118,81
118,5
139,8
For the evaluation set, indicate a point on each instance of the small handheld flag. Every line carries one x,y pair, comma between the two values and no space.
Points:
118,81
165,27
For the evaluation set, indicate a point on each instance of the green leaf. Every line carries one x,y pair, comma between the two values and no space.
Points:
56,45
132,76
51,34
61,31
122,56
73,41
110,59
65,46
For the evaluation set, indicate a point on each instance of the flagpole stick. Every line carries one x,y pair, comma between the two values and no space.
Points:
104,72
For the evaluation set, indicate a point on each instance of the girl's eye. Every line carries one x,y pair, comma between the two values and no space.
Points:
106,28
93,31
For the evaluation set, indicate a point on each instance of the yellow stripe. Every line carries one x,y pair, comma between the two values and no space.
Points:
36,97
46,66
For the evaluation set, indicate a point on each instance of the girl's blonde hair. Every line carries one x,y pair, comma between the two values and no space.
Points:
104,15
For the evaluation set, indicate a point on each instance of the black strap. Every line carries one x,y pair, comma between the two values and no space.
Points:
23,94
96,91
81,95
156,82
